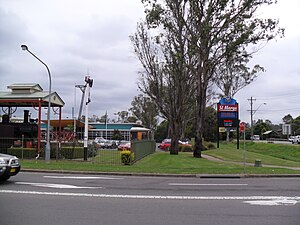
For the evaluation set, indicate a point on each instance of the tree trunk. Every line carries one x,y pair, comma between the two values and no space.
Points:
201,104
227,135
175,137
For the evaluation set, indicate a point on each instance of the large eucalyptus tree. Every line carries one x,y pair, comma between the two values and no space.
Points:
199,36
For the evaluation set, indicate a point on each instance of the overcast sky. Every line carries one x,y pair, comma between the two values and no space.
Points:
75,38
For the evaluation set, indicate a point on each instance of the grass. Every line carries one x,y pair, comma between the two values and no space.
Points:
185,163
108,157
271,154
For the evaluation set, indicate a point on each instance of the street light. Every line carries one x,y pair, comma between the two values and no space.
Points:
47,150
252,113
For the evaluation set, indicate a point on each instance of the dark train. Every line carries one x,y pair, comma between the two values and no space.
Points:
28,128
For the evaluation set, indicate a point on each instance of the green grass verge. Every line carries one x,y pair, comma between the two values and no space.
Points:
268,153
159,162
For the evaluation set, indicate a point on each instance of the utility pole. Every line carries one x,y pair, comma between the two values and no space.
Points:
251,114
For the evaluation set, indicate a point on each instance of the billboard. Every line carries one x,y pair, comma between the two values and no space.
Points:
228,113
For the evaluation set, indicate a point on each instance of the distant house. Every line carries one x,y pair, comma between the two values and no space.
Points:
129,131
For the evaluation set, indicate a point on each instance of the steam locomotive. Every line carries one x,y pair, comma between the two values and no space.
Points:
27,129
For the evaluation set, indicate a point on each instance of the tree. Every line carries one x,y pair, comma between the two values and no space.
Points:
222,30
234,74
210,126
123,116
161,131
166,78
211,32
287,119
104,118
296,125
117,135
144,109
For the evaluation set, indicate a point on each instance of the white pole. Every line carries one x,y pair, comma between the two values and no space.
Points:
74,116
86,132
244,153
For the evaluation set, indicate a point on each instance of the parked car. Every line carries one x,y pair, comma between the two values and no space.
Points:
124,146
104,143
255,138
167,143
291,138
9,166
296,140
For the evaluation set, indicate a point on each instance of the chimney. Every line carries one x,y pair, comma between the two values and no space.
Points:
26,116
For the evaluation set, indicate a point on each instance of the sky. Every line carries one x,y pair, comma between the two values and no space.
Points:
78,38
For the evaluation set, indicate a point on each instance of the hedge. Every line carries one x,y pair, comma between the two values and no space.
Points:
28,153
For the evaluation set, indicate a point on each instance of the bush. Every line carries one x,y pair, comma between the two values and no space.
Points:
92,150
185,148
127,157
27,153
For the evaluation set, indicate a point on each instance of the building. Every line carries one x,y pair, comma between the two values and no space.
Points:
127,131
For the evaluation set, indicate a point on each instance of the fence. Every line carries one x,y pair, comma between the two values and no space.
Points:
27,149
142,148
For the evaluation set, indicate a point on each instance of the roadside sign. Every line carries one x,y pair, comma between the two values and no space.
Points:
222,129
228,117
242,126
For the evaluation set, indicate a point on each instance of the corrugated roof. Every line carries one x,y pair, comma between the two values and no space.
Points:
112,126
268,132
23,95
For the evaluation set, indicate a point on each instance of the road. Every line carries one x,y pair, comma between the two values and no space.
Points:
42,198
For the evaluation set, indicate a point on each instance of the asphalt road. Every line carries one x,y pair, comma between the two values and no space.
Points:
41,198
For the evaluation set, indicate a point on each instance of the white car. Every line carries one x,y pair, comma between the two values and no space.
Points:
9,166
104,143
291,138
255,138
296,140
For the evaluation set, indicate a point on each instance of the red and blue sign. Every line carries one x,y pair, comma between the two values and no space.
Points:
228,113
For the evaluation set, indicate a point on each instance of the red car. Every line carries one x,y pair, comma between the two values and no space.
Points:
124,146
167,143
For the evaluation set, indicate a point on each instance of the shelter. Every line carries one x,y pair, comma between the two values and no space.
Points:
29,95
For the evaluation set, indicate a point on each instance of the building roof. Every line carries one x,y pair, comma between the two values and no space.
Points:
267,132
28,95
113,126
65,123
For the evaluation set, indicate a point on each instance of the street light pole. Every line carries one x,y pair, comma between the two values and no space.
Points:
252,112
47,150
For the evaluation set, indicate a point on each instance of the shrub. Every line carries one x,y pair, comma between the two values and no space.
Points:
27,153
72,152
208,145
185,148
127,157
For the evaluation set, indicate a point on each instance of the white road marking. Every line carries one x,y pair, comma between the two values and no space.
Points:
274,202
84,178
279,200
194,184
59,186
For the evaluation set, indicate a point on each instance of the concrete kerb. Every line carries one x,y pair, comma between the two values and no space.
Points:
203,176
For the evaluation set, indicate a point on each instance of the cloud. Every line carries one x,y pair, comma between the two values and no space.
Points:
75,38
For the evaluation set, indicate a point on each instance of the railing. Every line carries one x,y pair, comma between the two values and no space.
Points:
26,148
142,148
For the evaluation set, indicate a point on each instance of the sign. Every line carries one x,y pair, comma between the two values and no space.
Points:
228,117
222,129
227,108
242,126
286,129
228,111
